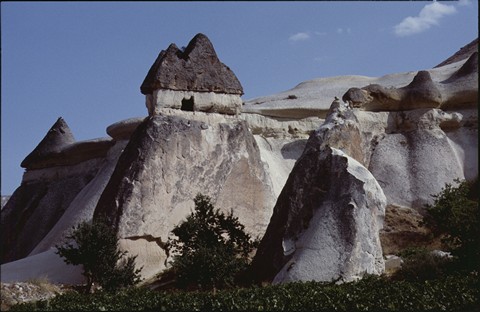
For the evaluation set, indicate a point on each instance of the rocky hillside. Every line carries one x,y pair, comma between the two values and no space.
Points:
325,172
462,54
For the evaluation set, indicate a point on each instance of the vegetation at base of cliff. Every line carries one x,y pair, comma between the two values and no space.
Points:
95,247
455,214
210,249
451,293
426,282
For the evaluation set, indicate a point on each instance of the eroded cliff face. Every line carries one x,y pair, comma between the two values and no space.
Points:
396,140
414,131
169,160
37,205
412,137
326,222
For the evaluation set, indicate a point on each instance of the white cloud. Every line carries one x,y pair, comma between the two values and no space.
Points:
301,36
430,15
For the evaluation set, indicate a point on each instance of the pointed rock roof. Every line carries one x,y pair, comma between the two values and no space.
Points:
196,68
58,137
461,54
468,68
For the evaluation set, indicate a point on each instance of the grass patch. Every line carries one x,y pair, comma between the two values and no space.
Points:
451,293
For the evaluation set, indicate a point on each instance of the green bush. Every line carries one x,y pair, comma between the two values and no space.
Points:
452,293
210,248
456,215
95,247
420,264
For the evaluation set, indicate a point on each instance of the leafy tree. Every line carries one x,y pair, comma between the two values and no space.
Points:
455,214
95,246
209,248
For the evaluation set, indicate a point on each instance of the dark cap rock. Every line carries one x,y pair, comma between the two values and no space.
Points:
58,137
470,67
196,68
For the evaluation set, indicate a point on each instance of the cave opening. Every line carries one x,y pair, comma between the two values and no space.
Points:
187,104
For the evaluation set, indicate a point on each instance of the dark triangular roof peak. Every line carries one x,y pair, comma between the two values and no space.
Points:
57,138
196,68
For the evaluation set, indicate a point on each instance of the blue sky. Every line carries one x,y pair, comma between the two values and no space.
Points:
86,61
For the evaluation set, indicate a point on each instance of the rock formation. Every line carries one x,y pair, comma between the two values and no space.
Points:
61,180
50,146
193,79
412,151
170,159
460,90
462,54
326,222
410,132
144,177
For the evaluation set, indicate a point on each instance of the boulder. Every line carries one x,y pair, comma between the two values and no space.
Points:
326,222
170,159
393,263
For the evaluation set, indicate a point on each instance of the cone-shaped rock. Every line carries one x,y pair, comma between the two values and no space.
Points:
468,68
170,159
197,68
58,137
421,92
325,225
461,54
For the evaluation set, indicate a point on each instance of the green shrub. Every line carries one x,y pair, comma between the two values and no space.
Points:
95,247
420,264
452,293
456,215
210,248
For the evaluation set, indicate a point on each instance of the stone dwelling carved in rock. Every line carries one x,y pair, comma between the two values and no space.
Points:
192,79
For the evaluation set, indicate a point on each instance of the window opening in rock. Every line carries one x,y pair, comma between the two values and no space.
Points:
187,104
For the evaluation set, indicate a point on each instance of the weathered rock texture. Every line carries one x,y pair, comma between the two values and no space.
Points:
411,153
46,265
59,148
243,161
197,75
458,91
209,102
60,188
122,130
46,152
326,222
170,159
462,54
37,205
